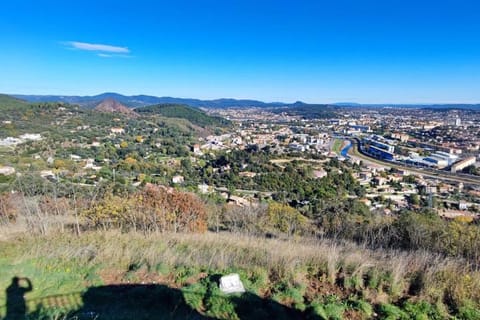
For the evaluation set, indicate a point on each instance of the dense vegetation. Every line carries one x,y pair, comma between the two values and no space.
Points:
8,103
194,115
310,111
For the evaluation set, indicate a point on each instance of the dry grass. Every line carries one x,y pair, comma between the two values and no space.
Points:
312,268
283,259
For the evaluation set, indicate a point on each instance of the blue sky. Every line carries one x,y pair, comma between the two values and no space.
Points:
368,51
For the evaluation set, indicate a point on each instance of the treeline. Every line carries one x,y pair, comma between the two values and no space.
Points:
408,230
46,205
352,221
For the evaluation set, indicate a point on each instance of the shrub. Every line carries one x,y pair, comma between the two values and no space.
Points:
469,312
282,218
392,312
153,209
8,210
329,308
363,306
422,311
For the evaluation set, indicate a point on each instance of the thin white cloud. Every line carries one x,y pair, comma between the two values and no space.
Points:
107,55
97,47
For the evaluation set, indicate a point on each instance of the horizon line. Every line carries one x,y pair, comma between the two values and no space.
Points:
255,99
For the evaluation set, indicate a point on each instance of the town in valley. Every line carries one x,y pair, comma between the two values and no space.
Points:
402,157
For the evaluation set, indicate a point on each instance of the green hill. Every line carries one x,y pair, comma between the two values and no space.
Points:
195,116
8,102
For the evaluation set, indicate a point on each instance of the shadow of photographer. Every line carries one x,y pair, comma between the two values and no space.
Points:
144,301
15,293
135,301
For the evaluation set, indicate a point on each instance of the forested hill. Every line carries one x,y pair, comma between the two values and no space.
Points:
309,111
195,116
9,102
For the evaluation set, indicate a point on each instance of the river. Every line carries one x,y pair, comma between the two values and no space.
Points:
345,149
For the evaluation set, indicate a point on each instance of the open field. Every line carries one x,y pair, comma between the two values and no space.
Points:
337,145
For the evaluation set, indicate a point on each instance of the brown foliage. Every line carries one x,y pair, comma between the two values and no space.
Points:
155,208
8,209
54,205
173,210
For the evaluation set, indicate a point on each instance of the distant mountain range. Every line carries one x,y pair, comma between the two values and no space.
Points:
145,100
442,106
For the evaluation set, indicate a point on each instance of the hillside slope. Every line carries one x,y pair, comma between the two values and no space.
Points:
116,275
195,116
9,102
113,106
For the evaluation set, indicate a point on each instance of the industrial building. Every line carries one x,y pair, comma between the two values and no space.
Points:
450,158
381,145
380,153
400,136
438,160
379,149
459,166
439,163
441,159
360,128
418,161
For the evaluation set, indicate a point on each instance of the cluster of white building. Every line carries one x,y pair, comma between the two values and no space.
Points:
11,141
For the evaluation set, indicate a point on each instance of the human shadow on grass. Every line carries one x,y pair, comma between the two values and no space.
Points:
15,293
153,301
135,301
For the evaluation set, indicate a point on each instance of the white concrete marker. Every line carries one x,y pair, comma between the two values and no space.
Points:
231,284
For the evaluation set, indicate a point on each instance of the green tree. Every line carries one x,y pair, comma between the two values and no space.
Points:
284,219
